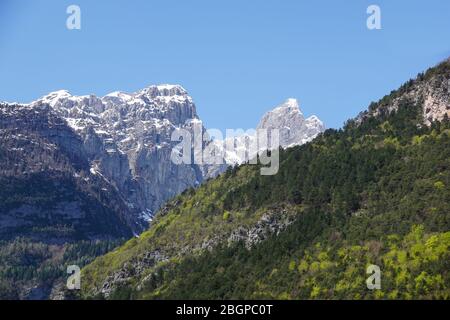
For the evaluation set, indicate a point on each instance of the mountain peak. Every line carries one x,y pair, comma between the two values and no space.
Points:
54,96
291,102
314,119
294,128
284,115
290,105
165,90
170,87
62,92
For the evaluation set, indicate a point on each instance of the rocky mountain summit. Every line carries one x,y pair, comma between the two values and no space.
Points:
293,130
122,139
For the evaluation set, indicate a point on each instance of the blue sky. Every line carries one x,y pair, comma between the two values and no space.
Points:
238,59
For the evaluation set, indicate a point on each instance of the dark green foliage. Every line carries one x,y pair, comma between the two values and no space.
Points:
25,263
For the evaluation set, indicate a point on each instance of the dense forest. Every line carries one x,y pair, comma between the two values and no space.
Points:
375,192
30,269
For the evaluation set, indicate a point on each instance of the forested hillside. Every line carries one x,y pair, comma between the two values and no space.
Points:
31,269
375,192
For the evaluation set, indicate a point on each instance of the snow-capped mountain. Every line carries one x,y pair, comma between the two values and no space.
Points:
126,140
294,129
289,120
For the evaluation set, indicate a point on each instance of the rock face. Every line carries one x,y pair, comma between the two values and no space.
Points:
269,224
436,95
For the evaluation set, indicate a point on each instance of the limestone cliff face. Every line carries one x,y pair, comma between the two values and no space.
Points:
436,99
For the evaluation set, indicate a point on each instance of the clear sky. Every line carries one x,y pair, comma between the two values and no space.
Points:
238,59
